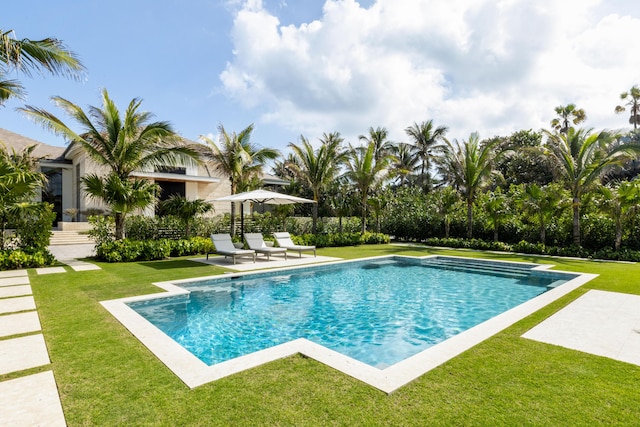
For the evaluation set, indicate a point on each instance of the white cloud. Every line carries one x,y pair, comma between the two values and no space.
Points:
491,66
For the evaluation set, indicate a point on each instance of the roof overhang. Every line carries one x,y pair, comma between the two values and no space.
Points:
160,176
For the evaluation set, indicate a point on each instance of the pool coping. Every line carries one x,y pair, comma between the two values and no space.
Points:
194,372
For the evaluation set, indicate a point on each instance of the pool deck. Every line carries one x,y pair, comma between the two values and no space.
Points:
246,264
193,372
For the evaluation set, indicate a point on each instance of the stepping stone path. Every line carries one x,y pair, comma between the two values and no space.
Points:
29,400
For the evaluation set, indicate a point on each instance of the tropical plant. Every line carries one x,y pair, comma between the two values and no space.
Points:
185,209
467,166
238,158
426,138
619,201
541,204
120,144
632,96
318,168
25,56
581,158
497,210
447,198
404,164
567,115
19,181
365,173
380,138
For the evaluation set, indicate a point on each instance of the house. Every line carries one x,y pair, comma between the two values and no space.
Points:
65,166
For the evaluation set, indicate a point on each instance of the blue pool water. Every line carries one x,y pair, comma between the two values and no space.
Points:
378,311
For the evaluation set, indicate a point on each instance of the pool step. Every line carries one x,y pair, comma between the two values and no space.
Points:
507,270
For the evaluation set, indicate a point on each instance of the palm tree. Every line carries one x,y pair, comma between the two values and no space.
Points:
542,203
468,166
19,181
497,210
425,142
185,209
633,97
380,138
318,168
619,201
25,56
567,115
581,158
404,163
447,198
122,145
239,159
365,172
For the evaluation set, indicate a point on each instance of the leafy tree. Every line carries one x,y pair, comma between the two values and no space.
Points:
239,159
467,166
365,172
318,168
523,161
632,96
341,199
185,209
581,158
567,115
619,201
426,138
122,144
47,55
19,181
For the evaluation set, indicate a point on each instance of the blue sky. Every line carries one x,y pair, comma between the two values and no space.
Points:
313,66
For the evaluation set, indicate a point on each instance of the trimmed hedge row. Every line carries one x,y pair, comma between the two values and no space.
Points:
525,247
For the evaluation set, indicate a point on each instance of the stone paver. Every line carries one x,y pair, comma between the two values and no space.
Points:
15,291
602,323
12,281
18,354
50,270
85,267
21,323
31,401
14,305
13,273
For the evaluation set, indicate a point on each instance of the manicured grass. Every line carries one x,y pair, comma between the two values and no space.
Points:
107,377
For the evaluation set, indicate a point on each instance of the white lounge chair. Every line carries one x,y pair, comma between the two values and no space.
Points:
256,243
224,246
284,241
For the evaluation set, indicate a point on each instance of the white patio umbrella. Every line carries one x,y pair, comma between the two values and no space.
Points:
262,196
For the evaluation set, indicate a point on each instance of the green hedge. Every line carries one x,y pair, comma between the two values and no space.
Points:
149,250
341,239
14,259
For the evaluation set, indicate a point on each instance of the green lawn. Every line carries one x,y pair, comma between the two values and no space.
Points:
107,377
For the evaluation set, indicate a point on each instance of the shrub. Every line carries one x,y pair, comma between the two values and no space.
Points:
14,259
34,228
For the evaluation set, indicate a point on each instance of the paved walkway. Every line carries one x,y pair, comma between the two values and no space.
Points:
29,400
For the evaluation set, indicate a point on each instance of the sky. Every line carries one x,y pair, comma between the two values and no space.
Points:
308,67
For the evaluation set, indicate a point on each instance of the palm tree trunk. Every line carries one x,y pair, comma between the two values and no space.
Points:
364,215
469,218
233,219
315,218
119,220
618,241
576,221
447,227
495,234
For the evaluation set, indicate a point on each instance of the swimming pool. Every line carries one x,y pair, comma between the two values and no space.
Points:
380,312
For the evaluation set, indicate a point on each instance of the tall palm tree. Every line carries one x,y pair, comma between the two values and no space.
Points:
581,159
619,201
47,55
122,144
318,168
426,138
19,180
567,115
632,96
380,138
365,173
468,166
404,164
497,210
238,158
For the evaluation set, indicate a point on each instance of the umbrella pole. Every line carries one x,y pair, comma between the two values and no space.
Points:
241,218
